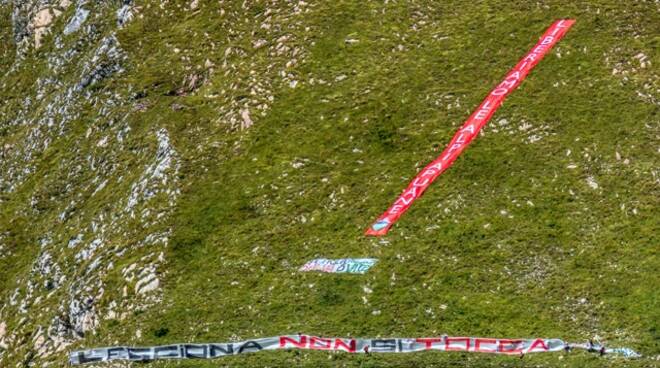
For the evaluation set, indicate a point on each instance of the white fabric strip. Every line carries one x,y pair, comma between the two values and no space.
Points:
349,345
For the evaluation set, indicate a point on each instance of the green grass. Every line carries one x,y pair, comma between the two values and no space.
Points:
575,263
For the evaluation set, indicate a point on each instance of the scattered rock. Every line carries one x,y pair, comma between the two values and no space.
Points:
41,24
190,83
592,182
124,15
76,21
106,62
147,284
247,121
82,316
259,44
3,334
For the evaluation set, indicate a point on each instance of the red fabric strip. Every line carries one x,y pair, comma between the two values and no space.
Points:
471,128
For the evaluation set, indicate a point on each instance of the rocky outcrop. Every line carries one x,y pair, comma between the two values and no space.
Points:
63,297
32,20
98,182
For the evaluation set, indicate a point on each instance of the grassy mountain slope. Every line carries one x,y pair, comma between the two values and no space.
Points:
237,140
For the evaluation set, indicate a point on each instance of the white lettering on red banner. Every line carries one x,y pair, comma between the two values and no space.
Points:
471,128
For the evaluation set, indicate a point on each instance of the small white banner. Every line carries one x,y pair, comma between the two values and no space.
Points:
344,265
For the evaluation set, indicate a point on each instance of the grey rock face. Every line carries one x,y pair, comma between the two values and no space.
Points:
62,297
20,21
76,21
125,13
106,61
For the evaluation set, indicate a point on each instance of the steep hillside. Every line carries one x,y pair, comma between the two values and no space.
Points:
166,166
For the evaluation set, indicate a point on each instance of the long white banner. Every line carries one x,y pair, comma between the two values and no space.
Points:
349,345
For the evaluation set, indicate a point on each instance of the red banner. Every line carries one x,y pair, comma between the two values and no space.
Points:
471,128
